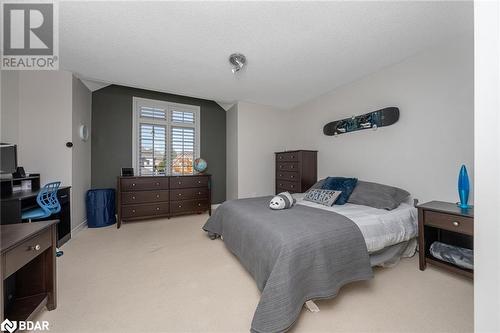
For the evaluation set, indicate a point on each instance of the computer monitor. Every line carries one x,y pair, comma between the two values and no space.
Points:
8,158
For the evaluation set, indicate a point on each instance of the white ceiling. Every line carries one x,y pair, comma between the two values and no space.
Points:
295,50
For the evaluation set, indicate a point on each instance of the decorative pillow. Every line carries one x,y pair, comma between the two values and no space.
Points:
377,195
324,197
283,200
346,185
317,185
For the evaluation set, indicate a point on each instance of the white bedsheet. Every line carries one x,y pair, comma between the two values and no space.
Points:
380,227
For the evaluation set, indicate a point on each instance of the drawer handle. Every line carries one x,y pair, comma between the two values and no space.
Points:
179,194
37,247
199,181
281,157
292,186
199,193
455,223
133,184
281,167
157,196
133,198
157,184
157,208
199,205
293,156
64,196
180,206
281,184
281,175
180,183
133,210
291,167
292,177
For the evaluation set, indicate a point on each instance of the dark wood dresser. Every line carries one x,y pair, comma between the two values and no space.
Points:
447,223
142,198
296,170
28,264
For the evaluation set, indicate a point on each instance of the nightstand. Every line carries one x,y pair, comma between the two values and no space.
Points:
447,223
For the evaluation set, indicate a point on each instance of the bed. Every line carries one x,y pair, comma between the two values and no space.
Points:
309,251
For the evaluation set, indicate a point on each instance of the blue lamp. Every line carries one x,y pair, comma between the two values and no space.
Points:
463,187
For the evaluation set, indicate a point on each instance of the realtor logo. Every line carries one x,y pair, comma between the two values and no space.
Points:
30,36
8,326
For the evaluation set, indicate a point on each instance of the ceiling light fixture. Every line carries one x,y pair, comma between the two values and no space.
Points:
238,61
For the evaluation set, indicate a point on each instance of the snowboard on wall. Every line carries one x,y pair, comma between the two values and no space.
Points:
373,120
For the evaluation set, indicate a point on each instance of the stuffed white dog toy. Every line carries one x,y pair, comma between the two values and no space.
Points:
283,200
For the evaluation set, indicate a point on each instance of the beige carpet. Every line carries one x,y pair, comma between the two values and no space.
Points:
167,276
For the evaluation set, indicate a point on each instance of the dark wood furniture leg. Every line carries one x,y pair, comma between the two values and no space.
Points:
421,240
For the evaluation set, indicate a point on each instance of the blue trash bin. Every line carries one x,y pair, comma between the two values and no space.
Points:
100,207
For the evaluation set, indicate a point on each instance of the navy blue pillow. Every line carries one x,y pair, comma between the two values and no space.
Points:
346,185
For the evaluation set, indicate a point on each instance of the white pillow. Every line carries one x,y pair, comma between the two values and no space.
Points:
324,197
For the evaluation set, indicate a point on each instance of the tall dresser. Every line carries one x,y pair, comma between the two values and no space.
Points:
296,170
146,197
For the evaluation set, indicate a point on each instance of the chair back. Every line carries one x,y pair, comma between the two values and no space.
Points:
47,198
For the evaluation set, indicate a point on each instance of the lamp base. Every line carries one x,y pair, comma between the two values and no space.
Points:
465,206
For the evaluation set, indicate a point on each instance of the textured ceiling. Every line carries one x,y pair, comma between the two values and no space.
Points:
295,50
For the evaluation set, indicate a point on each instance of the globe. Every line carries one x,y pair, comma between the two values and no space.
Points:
200,165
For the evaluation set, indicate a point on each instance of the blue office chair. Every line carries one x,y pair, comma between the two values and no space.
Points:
48,202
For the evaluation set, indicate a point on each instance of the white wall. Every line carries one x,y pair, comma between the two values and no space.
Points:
232,153
9,107
487,159
262,131
424,150
82,100
41,111
45,106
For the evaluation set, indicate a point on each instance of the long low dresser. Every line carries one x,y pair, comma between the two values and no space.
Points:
146,197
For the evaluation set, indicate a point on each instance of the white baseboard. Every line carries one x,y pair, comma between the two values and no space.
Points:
78,228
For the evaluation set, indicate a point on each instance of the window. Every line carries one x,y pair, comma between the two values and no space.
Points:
165,137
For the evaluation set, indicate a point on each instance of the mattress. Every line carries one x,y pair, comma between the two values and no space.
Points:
380,228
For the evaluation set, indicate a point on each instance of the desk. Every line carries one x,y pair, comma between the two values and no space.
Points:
14,203
28,262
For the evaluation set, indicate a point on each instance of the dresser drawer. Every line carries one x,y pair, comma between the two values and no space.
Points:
146,183
145,210
291,156
284,166
282,185
188,206
144,196
461,224
287,175
27,251
189,181
189,193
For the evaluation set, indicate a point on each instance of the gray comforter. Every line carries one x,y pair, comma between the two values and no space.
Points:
295,255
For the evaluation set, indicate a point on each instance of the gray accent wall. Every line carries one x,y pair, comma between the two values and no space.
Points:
112,135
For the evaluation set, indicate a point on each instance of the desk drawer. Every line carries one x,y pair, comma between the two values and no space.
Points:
63,196
189,181
460,224
27,251
146,183
189,193
188,206
144,197
146,210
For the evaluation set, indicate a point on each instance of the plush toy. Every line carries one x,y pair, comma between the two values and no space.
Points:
283,200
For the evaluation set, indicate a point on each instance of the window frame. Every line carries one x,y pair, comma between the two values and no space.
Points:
137,103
